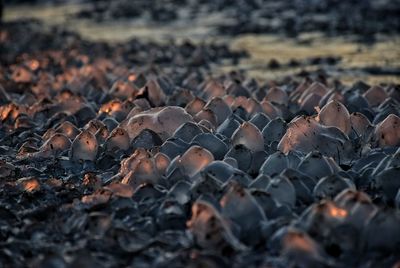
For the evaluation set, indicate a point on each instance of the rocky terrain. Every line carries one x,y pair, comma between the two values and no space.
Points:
147,154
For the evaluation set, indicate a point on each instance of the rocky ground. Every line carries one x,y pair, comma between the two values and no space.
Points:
363,18
332,17
146,154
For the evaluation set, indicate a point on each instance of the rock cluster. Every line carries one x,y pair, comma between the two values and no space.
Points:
113,161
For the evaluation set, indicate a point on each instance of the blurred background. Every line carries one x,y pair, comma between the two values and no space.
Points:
350,39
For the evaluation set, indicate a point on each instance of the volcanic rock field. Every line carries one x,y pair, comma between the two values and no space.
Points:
146,154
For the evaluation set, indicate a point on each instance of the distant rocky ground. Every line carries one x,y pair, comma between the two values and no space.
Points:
290,17
362,18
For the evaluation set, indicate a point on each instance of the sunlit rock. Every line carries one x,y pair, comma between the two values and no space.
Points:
84,147
250,136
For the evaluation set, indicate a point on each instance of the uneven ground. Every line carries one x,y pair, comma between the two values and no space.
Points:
168,134
376,61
